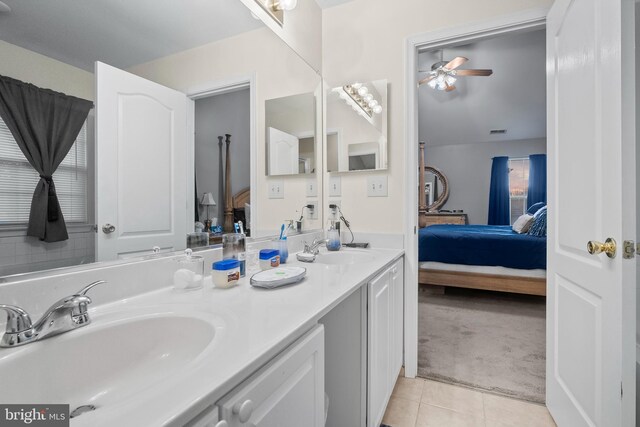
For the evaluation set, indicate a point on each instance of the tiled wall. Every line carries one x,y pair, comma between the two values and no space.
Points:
20,253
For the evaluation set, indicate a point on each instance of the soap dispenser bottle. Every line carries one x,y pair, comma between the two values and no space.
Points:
333,238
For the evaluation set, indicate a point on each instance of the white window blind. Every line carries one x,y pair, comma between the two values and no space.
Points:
18,180
518,187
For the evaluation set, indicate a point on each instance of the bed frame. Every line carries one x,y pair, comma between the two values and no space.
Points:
465,279
487,282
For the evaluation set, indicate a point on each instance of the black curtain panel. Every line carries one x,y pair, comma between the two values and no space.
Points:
45,125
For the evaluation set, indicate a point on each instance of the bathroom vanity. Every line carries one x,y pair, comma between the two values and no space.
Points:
211,357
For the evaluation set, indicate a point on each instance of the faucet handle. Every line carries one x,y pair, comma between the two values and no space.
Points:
18,320
90,286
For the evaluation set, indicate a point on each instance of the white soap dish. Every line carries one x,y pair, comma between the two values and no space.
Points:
276,277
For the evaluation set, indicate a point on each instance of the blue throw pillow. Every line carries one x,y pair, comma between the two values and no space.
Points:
539,226
536,207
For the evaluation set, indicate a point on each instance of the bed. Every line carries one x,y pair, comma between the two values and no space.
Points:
482,257
478,256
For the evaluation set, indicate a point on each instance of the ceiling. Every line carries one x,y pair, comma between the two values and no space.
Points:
121,33
513,98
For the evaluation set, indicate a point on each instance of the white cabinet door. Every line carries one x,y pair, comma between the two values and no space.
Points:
283,153
397,324
288,392
591,186
141,165
379,348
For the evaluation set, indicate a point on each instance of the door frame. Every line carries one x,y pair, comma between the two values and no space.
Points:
221,87
527,20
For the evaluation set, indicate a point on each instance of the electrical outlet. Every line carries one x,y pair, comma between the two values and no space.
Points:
335,186
312,213
312,188
276,189
377,186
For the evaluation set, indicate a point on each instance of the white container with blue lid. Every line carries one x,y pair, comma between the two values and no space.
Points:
269,258
225,273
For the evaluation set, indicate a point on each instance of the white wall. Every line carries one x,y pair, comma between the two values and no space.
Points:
364,40
216,116
44,72
278,72
468,168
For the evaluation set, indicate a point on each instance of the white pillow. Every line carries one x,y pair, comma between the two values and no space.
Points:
523,223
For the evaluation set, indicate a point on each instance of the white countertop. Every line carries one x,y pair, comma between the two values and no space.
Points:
252,325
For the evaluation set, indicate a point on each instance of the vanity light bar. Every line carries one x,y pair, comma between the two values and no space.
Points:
352,91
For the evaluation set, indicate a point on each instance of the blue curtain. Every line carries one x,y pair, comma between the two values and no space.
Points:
499,192
537,179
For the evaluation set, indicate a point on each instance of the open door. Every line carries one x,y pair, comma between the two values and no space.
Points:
141,165
591,193
283,153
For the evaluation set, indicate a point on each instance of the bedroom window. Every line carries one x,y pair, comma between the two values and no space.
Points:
18,181
518,187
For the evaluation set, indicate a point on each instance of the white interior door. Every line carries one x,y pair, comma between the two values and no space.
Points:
591,139
141,165
283,153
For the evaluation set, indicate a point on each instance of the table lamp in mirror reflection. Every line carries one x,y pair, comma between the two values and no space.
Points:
207,200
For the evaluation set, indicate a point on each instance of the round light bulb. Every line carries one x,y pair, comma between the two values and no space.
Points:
363,91
377,109
356,85
368,97
373,103
286,4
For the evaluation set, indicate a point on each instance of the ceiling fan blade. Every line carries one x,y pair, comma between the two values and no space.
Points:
455,62
425,80
450,88
474,72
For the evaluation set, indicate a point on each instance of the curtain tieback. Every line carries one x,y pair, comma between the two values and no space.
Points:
52,199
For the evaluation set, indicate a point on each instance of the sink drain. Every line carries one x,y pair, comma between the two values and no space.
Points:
81,410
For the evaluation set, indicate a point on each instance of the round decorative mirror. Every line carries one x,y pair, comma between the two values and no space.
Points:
436,188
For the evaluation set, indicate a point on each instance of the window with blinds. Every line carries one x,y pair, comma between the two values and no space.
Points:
518,187
18,181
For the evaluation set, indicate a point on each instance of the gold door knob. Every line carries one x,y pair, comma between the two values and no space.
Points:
608,247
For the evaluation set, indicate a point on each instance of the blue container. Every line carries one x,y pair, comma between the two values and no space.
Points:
225,264
267,254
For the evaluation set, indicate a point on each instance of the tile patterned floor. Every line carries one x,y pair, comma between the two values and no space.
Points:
424,403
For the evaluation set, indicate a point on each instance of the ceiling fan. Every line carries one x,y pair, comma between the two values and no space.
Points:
444,74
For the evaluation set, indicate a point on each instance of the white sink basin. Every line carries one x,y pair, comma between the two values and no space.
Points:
103,363
344,257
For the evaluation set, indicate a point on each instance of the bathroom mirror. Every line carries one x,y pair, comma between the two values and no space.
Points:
356,127
290,134
205,50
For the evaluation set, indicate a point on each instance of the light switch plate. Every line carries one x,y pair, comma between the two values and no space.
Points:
312,213
312,188
335,186
276,189
377,186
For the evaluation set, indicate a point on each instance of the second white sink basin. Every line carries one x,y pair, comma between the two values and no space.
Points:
344,257
103,363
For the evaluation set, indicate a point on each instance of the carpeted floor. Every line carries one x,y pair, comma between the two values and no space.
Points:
489,340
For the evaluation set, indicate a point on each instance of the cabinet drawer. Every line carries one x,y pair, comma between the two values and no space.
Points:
288,392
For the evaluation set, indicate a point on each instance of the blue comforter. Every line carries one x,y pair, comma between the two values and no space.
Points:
491,245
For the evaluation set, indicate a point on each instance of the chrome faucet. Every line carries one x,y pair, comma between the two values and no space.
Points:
65,315
313,248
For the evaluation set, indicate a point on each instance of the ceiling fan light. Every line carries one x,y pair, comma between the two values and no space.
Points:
450,80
